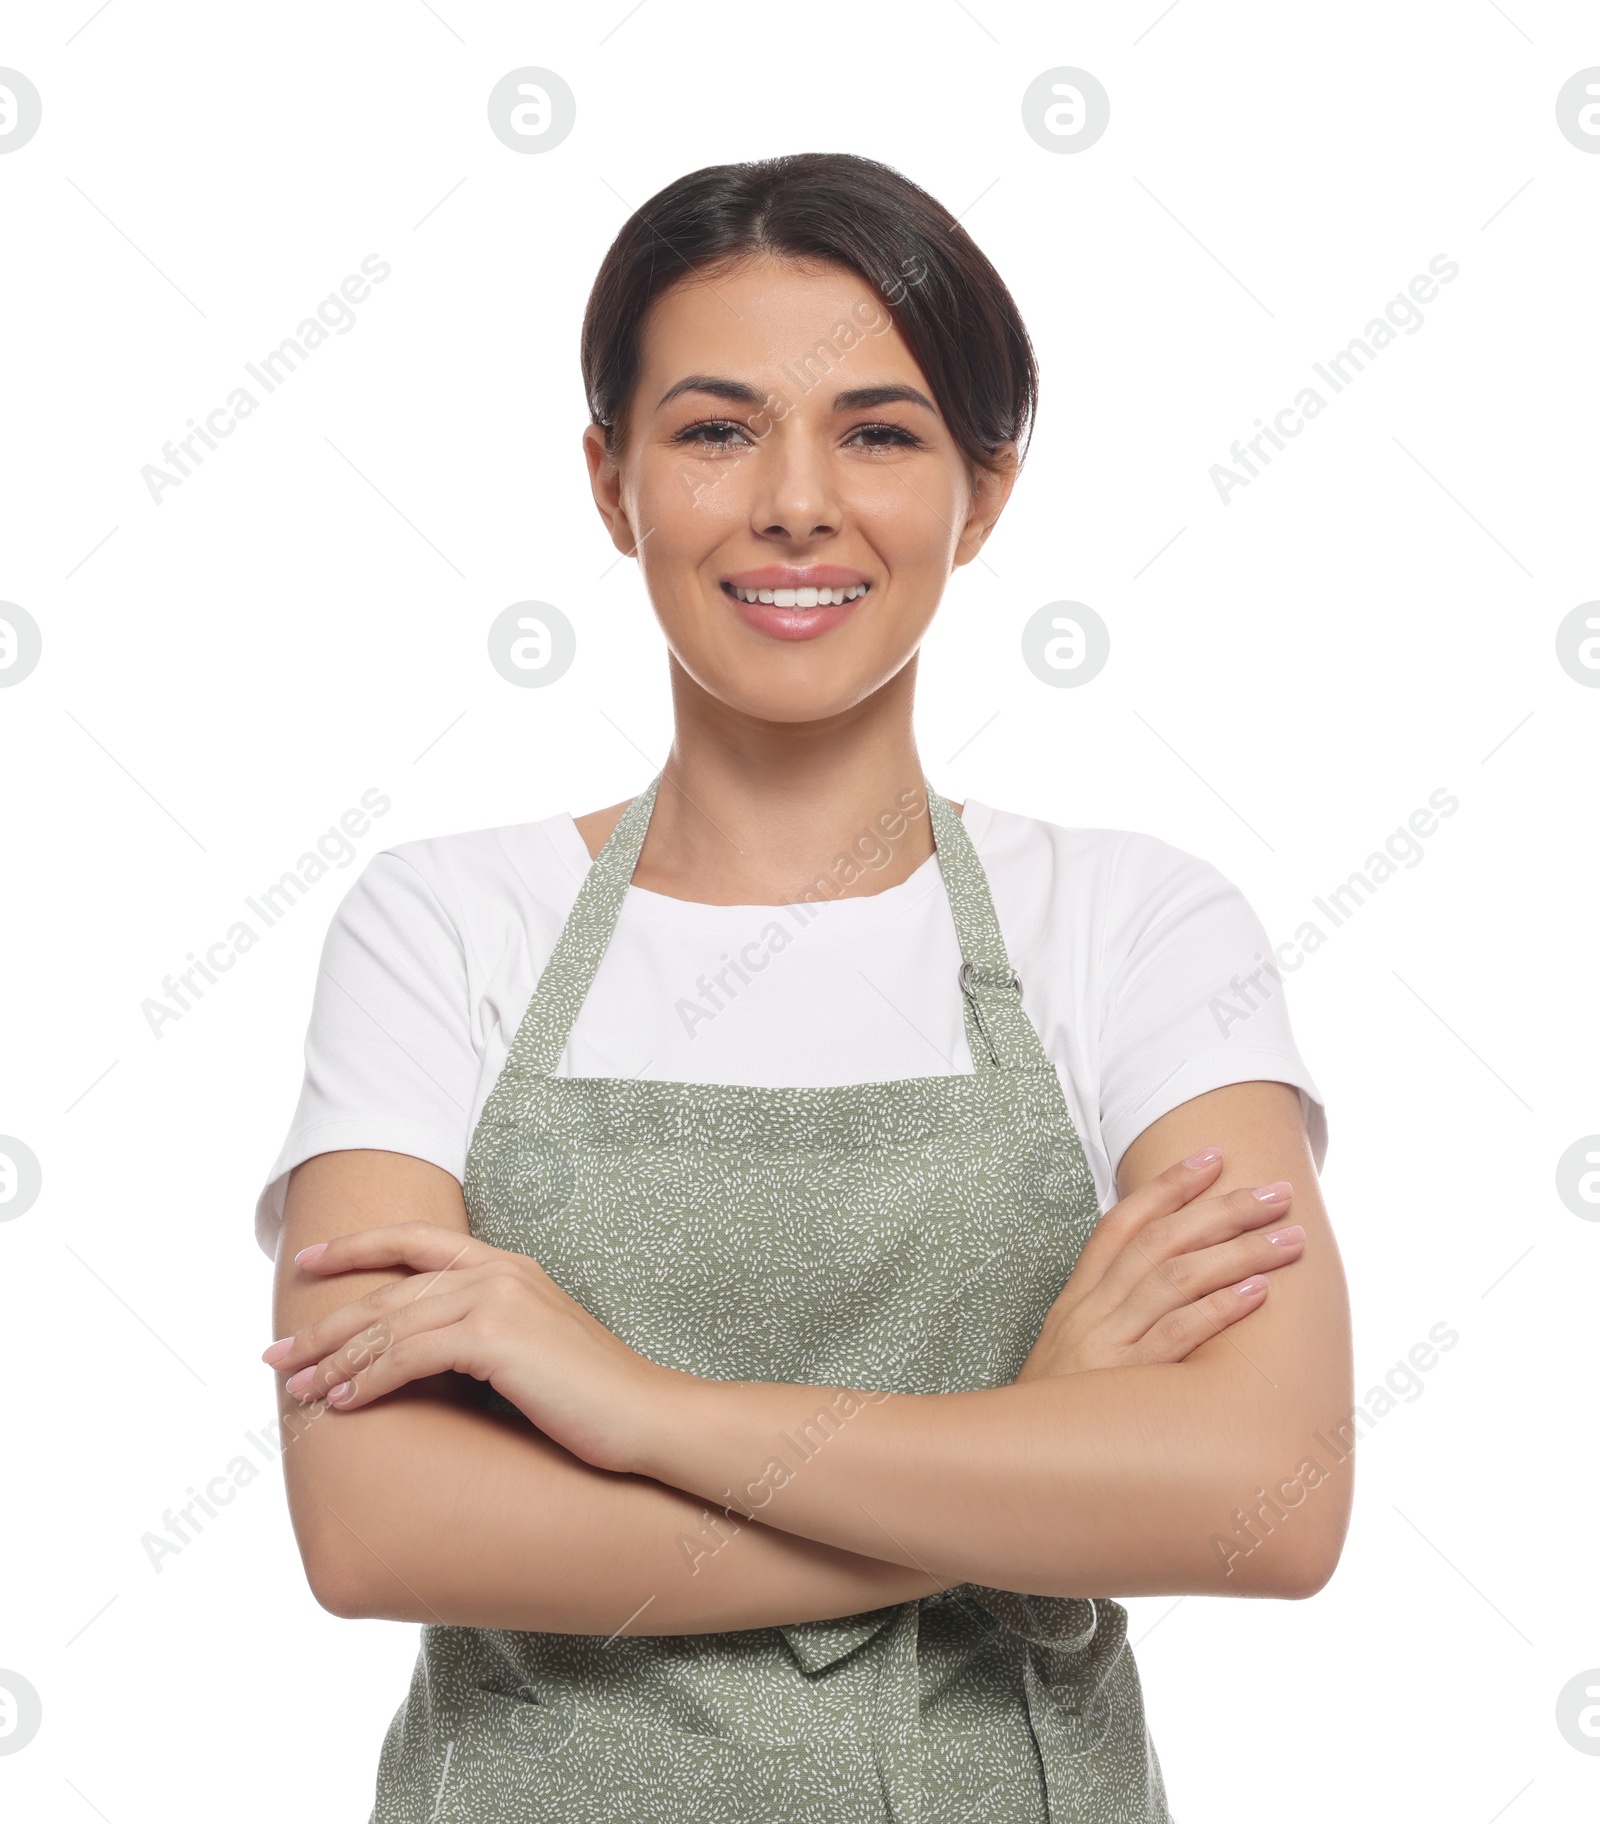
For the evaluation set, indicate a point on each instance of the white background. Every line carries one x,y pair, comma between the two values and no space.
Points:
1372,618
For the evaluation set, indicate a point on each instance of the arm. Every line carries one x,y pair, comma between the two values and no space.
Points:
1127,1479
425,1507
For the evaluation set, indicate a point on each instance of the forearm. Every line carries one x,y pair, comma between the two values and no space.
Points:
431,1510
426,1507
1122,1481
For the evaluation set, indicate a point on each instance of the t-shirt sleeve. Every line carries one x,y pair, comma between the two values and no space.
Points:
1193,998
389,1057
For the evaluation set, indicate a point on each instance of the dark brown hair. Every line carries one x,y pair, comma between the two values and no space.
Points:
947,301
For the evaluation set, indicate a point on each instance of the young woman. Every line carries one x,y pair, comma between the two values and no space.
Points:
674,1237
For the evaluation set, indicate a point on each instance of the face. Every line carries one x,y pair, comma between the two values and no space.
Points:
791,491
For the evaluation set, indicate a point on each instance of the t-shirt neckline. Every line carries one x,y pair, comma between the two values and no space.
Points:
854,909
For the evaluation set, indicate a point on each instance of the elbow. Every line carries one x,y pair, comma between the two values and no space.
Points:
1282,1575
333,1583
1309,1568
338,1581
330,1521
1310,1574
1321,1546
1288,1545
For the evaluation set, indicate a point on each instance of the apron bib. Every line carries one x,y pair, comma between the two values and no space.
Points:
904,1236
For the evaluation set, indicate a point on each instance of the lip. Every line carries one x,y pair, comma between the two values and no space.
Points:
794,623
797,576
790,623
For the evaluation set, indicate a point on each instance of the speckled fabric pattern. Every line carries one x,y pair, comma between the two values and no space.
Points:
905,1236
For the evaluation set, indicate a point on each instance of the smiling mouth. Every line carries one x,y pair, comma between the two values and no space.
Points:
799,598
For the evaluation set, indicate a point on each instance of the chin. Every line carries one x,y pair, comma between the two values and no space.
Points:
769,701
814,689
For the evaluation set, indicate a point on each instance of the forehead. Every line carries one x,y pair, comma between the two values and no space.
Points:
753,320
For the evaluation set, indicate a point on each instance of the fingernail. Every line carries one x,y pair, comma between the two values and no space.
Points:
1248,1288
337,1393
277,1351
1288,1237
1205,1158
298,1383
310,1253
1273,1193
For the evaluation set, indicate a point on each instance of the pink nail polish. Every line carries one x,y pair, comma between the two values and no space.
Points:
1273,1193
271,1356
1248,1288
338,1393
1287,1238
1196,1160
310,1253
298,1383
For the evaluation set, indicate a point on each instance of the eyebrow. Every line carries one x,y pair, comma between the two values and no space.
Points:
859,398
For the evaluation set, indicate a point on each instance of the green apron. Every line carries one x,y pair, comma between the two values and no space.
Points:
903,1236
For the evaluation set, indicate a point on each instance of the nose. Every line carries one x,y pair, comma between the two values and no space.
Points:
796,498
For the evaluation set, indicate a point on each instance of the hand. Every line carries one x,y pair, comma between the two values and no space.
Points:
1162,1272
478,1310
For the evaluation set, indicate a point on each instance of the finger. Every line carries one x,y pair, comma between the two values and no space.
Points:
1166,1192
354,1359
413,1358
425,1246
1182,1331
370,1317
1185,1231
1173,1284
1208,1220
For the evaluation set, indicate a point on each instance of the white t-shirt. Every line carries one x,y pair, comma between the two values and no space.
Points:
1144,970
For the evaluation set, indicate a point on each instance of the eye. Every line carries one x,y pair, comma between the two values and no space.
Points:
886,437
716,433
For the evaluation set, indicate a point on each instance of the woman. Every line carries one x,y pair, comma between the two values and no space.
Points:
724,1410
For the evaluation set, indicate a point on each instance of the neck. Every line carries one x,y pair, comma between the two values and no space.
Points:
757,813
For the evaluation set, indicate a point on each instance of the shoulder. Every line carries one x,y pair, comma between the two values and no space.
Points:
1086,874
595,826
468,879
1148,971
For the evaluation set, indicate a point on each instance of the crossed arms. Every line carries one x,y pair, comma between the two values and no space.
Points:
1221,1473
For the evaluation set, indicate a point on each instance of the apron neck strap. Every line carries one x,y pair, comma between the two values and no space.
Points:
1000,1034
565,982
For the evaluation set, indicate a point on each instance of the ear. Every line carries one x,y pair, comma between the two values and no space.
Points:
991,489
605,479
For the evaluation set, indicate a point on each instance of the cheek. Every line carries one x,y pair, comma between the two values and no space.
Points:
689,498
911,520
681,524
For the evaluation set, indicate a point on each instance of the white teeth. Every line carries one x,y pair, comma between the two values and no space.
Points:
801,598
